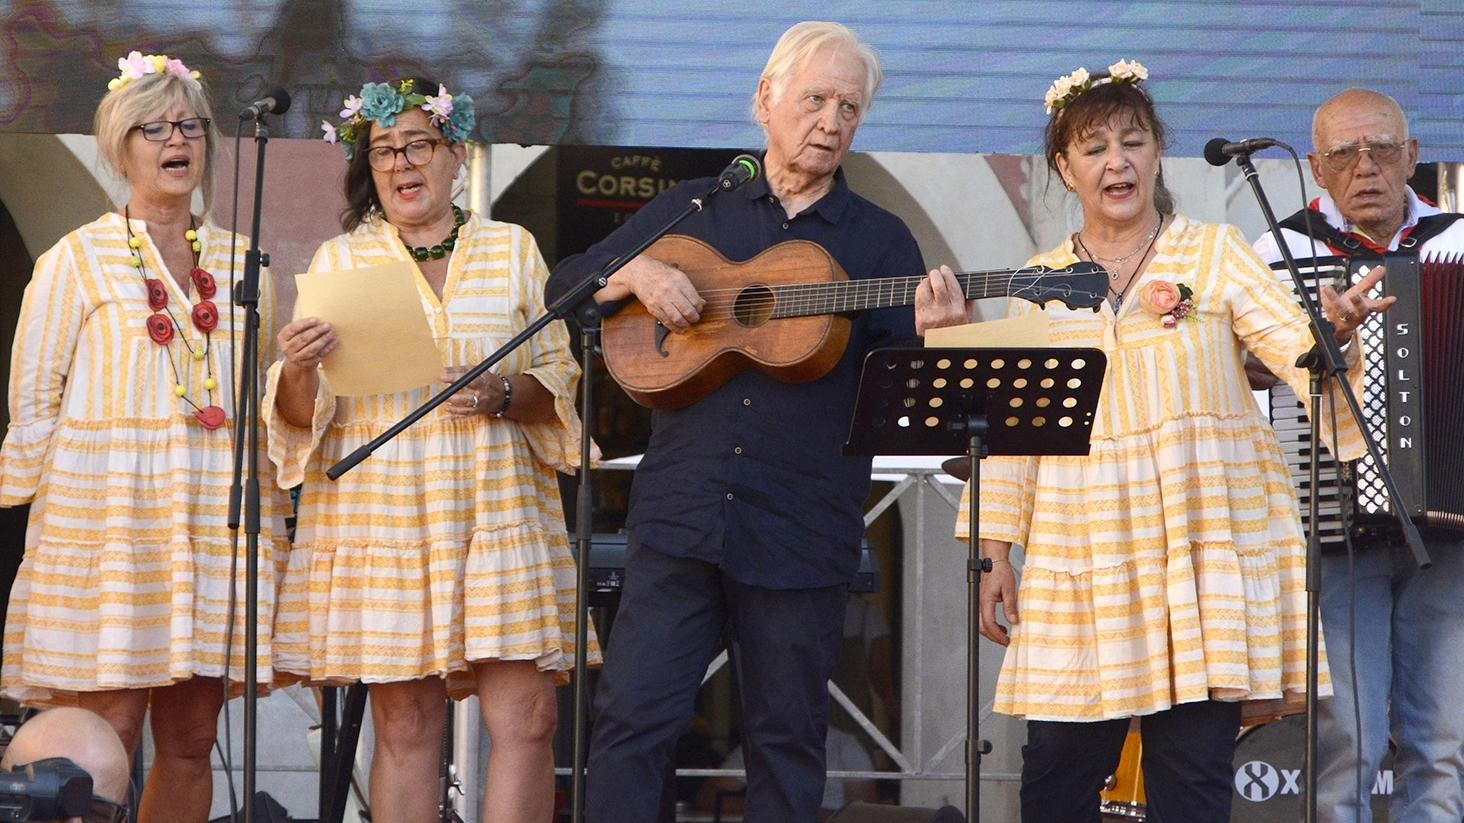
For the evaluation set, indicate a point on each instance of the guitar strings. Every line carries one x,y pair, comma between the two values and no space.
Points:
801,296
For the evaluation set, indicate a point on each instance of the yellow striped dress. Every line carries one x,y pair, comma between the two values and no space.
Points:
126,578
1167,566
448,545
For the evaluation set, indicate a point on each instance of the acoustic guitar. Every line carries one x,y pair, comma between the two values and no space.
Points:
783,312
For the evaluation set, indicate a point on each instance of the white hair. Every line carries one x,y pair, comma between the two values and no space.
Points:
803,40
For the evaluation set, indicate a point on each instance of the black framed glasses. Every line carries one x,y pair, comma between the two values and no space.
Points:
1344,156
160,131
418,153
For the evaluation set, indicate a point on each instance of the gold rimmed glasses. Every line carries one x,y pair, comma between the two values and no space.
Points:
1344,156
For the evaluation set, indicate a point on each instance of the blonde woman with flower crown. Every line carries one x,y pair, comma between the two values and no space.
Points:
440,566
121,440
1163,573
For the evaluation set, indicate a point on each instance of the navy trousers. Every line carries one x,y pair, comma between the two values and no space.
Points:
1186,762
784,645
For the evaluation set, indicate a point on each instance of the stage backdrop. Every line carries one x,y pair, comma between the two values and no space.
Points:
963,76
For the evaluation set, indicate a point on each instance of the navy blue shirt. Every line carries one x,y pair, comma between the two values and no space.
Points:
751,477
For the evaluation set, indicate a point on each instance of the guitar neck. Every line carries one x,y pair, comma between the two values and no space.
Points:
843,296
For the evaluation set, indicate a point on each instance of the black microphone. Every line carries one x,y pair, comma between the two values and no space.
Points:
1219,151
277,101
744,169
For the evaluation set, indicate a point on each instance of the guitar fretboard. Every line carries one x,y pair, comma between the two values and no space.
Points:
1036,283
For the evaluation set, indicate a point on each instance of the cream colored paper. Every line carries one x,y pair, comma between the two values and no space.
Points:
385,343
1026,331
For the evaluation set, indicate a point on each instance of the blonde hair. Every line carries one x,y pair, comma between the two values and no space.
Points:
803,40
146,99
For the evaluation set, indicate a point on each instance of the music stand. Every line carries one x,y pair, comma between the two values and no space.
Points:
1037,401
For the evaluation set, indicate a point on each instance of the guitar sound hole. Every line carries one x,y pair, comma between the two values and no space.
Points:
754,306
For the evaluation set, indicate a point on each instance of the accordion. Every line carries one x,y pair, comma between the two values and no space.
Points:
1413,402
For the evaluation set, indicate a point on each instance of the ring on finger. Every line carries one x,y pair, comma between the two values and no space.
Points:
474,402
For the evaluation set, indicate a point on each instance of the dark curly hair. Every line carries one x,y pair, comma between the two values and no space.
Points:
1094,108
361,198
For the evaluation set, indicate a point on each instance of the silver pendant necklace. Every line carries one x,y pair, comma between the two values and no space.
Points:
1113,273
1121,259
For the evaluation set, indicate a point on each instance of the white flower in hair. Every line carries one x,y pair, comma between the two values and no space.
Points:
1130,71
1067,88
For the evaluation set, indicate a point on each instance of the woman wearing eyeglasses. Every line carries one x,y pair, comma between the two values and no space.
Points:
441,565
121,440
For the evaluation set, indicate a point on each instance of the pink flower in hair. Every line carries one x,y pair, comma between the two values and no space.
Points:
439,106
133,66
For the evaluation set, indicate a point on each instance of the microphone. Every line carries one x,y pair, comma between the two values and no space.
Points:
1219,151
743,169
277,101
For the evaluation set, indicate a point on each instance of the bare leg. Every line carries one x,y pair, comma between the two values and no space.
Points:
124,709
520,712
185,721
408,718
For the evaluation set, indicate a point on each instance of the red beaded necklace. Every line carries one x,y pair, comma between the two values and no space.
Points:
162,325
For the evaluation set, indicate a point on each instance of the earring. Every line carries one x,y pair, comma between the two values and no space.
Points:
1068,185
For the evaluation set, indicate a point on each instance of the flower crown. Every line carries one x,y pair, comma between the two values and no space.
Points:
380,103
1067,88
137,65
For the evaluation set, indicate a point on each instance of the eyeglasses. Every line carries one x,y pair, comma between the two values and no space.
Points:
1342,157
418,152
160,131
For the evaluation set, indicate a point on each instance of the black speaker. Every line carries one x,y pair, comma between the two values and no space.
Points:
860,812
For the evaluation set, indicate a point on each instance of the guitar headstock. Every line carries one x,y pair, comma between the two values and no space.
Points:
1082,285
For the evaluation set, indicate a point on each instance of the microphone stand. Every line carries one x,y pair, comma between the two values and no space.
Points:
1325,362
246,448
577,302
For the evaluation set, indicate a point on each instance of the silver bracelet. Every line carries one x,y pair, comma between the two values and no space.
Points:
507,397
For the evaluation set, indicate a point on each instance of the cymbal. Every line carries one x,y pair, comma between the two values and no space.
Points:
957,467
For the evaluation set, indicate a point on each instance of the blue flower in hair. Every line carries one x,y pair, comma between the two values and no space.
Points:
380,103
459,125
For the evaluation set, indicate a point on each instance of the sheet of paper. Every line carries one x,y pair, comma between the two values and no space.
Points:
385,343
1027,331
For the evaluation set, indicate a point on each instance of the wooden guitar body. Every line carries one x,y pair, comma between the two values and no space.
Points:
786,311
738,328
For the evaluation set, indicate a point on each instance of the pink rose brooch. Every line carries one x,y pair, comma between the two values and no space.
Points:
1171,301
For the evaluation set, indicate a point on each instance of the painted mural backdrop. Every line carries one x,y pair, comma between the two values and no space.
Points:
962,75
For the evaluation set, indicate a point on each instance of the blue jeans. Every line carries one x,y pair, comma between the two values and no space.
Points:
1407,651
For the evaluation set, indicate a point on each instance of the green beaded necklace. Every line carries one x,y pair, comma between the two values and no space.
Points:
439,251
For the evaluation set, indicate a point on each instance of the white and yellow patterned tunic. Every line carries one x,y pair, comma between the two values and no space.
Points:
448,545
126,577
1167,566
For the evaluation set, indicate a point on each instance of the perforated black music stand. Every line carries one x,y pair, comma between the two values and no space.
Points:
977,402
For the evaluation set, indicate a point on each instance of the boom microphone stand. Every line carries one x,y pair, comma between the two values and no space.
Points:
578,302
1324,361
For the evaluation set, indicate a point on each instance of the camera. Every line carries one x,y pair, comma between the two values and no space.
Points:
53,789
